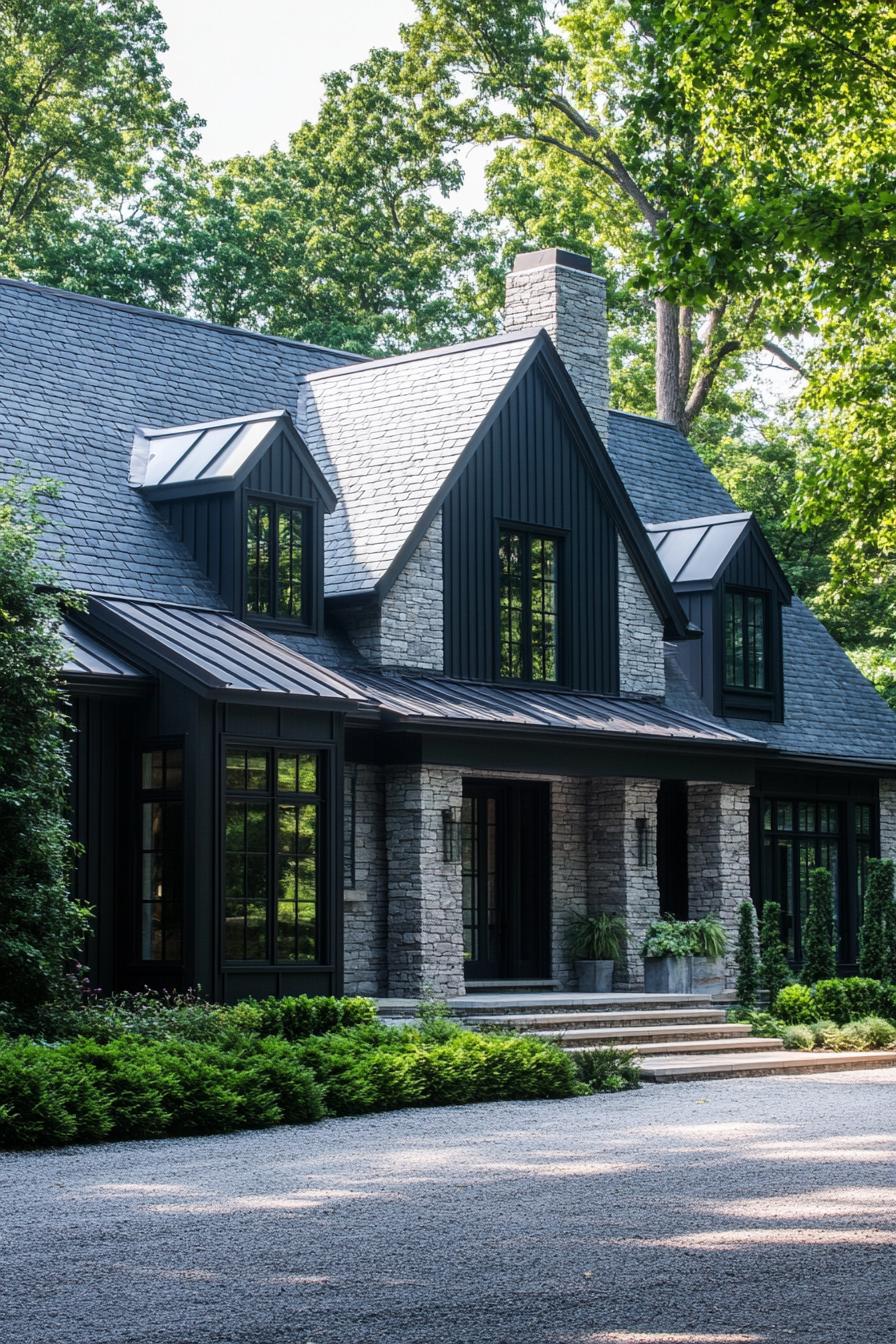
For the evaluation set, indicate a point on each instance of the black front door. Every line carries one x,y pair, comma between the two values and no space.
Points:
506,880
672,847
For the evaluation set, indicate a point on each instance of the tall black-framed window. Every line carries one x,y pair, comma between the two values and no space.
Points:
349,823
529,604
746,626
161,853
278,558
272,854
798,836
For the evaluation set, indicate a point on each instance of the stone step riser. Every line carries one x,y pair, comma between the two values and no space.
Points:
633,1036
565,1006
664,1070
578,1021
736,1045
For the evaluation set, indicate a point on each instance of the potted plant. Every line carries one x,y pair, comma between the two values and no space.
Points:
596,942
668,951
708,962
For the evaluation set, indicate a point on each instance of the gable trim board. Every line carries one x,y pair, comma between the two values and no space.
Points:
540,350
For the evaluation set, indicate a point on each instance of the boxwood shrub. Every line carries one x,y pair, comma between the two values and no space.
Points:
838,1001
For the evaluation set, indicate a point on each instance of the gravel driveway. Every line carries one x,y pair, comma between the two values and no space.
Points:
718,1213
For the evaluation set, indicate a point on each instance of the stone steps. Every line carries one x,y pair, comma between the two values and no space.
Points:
631,1037
610,1018
737,1045
683,1068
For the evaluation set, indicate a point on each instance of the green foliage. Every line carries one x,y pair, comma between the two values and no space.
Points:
774,973
876,951
41,929
85,110
852,998
795,1004
745,956
607,1069
798,1037
763,1024
599,937
828,1035
670,937
819,954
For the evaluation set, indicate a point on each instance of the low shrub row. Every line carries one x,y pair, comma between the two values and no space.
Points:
867,1033
85,1090
839,1001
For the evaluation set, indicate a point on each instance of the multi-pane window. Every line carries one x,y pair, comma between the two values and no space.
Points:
161,853
276,560
528,605
746,628
798,837
349,823
272,868
863,824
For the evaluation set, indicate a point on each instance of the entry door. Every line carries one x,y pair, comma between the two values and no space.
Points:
506,880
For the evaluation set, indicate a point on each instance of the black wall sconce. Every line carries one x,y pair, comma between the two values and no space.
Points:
642,835
451,834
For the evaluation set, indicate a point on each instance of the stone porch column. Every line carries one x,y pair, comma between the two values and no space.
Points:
618,879
425,918
719,856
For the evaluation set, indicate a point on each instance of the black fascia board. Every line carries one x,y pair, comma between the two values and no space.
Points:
606,477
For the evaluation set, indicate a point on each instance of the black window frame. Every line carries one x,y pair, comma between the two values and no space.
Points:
307,620
322,800
748,688
146,796
528,533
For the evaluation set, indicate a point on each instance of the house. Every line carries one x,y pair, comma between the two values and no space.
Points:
386,668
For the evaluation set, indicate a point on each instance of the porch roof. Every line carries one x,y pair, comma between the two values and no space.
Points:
87,659
436,700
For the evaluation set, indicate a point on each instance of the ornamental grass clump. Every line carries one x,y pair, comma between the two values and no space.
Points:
798,1037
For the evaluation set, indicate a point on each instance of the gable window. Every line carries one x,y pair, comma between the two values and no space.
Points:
277,553
528,605
272,865
746,639
161,853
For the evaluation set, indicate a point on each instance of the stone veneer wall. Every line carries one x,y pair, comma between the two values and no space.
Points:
887,807
719,855
425,922
617,881
571,305
365,904
641,659
406,629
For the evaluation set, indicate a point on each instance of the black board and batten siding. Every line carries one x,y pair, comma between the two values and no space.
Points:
530,469
703,660
211,526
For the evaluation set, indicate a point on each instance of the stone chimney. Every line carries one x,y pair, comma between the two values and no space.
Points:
557,290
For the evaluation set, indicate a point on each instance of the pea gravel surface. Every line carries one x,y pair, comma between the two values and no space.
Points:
734,1212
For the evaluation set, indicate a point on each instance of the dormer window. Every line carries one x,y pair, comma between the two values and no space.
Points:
528,600
277,560
746,640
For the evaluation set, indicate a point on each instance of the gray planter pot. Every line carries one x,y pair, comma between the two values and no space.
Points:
667,975
708,975
595,977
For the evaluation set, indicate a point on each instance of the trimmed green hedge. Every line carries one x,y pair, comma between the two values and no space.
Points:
83,1091
838,1001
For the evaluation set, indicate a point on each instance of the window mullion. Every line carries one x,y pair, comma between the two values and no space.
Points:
526,601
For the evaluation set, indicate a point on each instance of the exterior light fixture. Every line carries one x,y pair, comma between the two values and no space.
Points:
451,834
642,834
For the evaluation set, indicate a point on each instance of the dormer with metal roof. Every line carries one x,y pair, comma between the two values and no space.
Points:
731,586
247,498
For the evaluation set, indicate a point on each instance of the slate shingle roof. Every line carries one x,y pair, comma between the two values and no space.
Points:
387,434
829,707
78,376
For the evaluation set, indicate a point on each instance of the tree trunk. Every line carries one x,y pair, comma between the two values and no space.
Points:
669,401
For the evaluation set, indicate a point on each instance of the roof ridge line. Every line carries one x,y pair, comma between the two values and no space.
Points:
139,310
502,338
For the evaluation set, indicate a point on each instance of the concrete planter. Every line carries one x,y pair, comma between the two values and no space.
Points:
668,975
595,977
707,975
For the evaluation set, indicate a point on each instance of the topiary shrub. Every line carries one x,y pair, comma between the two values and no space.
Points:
819,955
745,956
795,1004
774,972
876,954
846,1000
607,1069
798,1037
